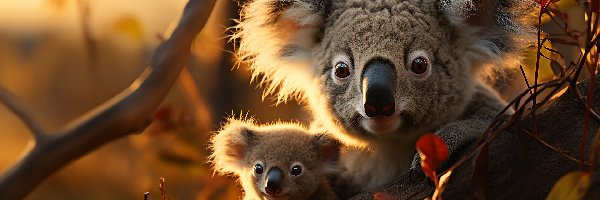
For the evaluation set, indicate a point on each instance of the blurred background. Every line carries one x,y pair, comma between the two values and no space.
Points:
64,57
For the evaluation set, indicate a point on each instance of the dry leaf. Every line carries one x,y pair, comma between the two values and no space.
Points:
572,186
130,26
444,179
432,151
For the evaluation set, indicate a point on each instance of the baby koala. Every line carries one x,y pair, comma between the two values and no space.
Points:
280,161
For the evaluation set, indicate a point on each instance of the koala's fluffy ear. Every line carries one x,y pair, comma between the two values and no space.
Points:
495,31
276,36
329,152
230,146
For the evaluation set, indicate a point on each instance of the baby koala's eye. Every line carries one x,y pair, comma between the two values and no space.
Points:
419,65
296,170
342,70
258,169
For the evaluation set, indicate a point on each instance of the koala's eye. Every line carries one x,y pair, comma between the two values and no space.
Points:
296,170
258,169
419,65
342,70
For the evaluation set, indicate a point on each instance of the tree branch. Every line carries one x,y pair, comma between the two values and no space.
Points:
127,112
18,109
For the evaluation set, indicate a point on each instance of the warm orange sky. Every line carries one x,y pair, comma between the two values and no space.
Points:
63,15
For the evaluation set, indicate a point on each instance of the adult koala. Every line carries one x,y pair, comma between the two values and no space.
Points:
380,73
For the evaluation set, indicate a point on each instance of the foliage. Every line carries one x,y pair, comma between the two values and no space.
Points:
433,151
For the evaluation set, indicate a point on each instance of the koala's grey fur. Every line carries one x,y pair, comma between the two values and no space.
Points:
239,145
293,46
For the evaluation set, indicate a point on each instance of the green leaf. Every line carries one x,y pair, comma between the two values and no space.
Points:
572,186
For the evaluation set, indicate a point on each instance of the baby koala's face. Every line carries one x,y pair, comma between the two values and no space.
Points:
285,165
279,161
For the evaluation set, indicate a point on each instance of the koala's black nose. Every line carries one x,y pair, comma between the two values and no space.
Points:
274,181
378,82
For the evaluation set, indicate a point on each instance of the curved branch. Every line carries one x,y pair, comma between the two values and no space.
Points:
14,105
127,112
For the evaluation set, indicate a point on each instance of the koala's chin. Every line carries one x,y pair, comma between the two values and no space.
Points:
381,125
400,122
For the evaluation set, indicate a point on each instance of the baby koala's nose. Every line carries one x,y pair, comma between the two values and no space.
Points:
274,181
378,82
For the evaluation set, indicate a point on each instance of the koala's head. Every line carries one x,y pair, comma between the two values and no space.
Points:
385,68
281,161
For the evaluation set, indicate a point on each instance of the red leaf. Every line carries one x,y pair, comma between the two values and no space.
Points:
383,196
163,113
545,3
432,151
542,2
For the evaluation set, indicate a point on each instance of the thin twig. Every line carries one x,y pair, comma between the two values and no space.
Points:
161,188
189,88
525,77
580,67
90,44
565,154
498,126
18,109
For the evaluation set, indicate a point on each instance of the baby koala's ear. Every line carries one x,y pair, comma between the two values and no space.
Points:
329,152
231,146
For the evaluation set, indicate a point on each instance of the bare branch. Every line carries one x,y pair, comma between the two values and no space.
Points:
16,107
125,113
90,44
